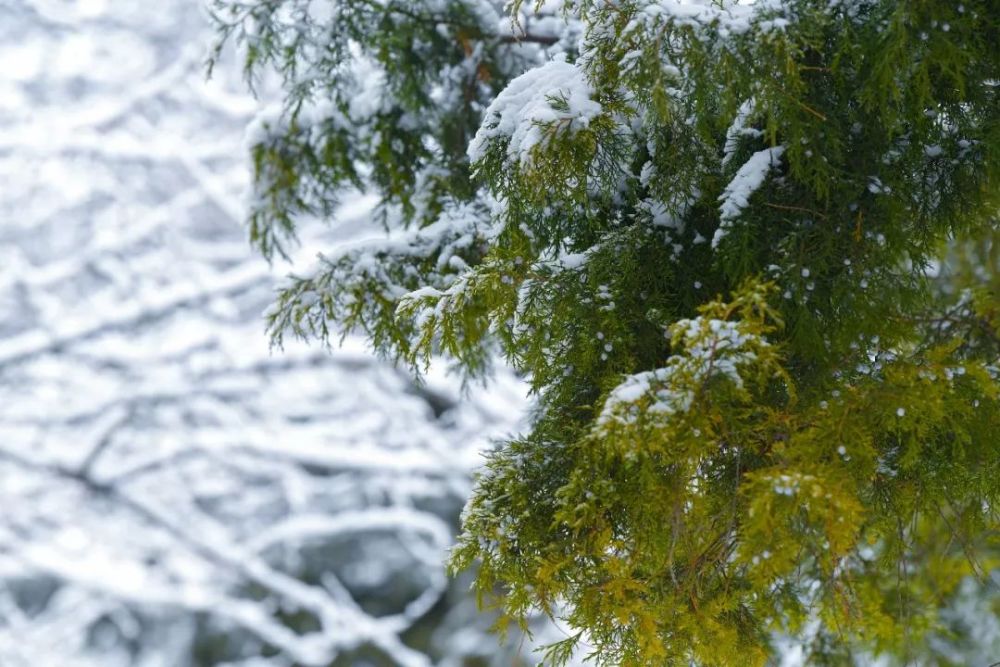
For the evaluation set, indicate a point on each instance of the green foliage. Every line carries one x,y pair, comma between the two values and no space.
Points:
747,258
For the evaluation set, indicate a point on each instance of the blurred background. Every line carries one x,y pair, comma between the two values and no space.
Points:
172,492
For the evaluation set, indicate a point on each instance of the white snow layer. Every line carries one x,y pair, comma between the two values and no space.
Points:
712,347
739,128
747,180
554,94
726,19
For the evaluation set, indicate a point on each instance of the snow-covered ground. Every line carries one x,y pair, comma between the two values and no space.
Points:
171,491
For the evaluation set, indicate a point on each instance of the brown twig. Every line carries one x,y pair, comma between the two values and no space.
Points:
800,209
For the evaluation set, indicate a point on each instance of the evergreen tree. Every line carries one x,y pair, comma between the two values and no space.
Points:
711,235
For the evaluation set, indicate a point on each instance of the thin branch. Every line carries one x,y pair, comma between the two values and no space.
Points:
800,209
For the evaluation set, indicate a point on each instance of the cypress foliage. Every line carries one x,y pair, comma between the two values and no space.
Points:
747,258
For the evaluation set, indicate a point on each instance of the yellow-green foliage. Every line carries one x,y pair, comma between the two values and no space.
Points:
690,534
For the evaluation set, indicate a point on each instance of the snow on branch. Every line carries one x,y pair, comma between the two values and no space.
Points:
357,282
724,19
554,95
726,341
747,181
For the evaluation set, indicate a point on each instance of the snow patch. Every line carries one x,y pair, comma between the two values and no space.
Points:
556,93
747,180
